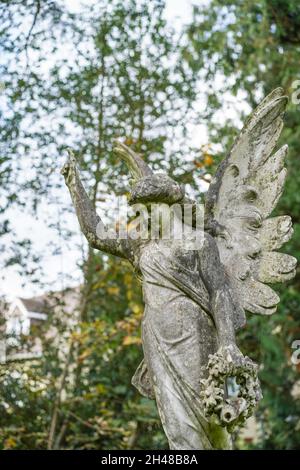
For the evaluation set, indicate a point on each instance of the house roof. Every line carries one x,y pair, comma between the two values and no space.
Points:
41,306
36,304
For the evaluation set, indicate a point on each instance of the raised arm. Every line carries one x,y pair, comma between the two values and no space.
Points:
88,217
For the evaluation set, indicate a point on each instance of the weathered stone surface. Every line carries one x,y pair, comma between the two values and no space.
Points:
196,299
243,193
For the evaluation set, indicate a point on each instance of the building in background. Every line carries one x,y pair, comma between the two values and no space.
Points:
23,321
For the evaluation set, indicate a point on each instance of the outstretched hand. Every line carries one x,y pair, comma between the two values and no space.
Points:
232,354
69,168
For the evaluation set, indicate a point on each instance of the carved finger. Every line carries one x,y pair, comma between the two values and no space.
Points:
65,169
72,159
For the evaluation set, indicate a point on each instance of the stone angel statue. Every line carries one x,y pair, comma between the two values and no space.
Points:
195,299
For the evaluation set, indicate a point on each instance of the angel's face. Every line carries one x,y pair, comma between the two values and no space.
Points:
148,187
158,199
156,195
155,221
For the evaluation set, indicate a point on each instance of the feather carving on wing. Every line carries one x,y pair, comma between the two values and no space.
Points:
239,202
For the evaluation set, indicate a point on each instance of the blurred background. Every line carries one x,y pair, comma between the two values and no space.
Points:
174,80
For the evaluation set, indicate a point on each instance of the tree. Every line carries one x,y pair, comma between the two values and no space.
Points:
119,75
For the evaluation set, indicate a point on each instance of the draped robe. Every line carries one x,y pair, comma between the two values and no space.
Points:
178,333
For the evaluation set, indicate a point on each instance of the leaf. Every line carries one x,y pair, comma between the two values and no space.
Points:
113,290
10,443
129,340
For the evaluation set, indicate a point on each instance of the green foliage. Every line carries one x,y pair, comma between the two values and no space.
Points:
116,70
120,77
256,47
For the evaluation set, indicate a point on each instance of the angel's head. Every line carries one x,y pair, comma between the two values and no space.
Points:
147,187
167,207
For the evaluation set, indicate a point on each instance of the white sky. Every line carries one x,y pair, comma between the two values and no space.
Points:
12,284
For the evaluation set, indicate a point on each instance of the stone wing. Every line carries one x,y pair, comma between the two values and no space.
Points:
240,199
